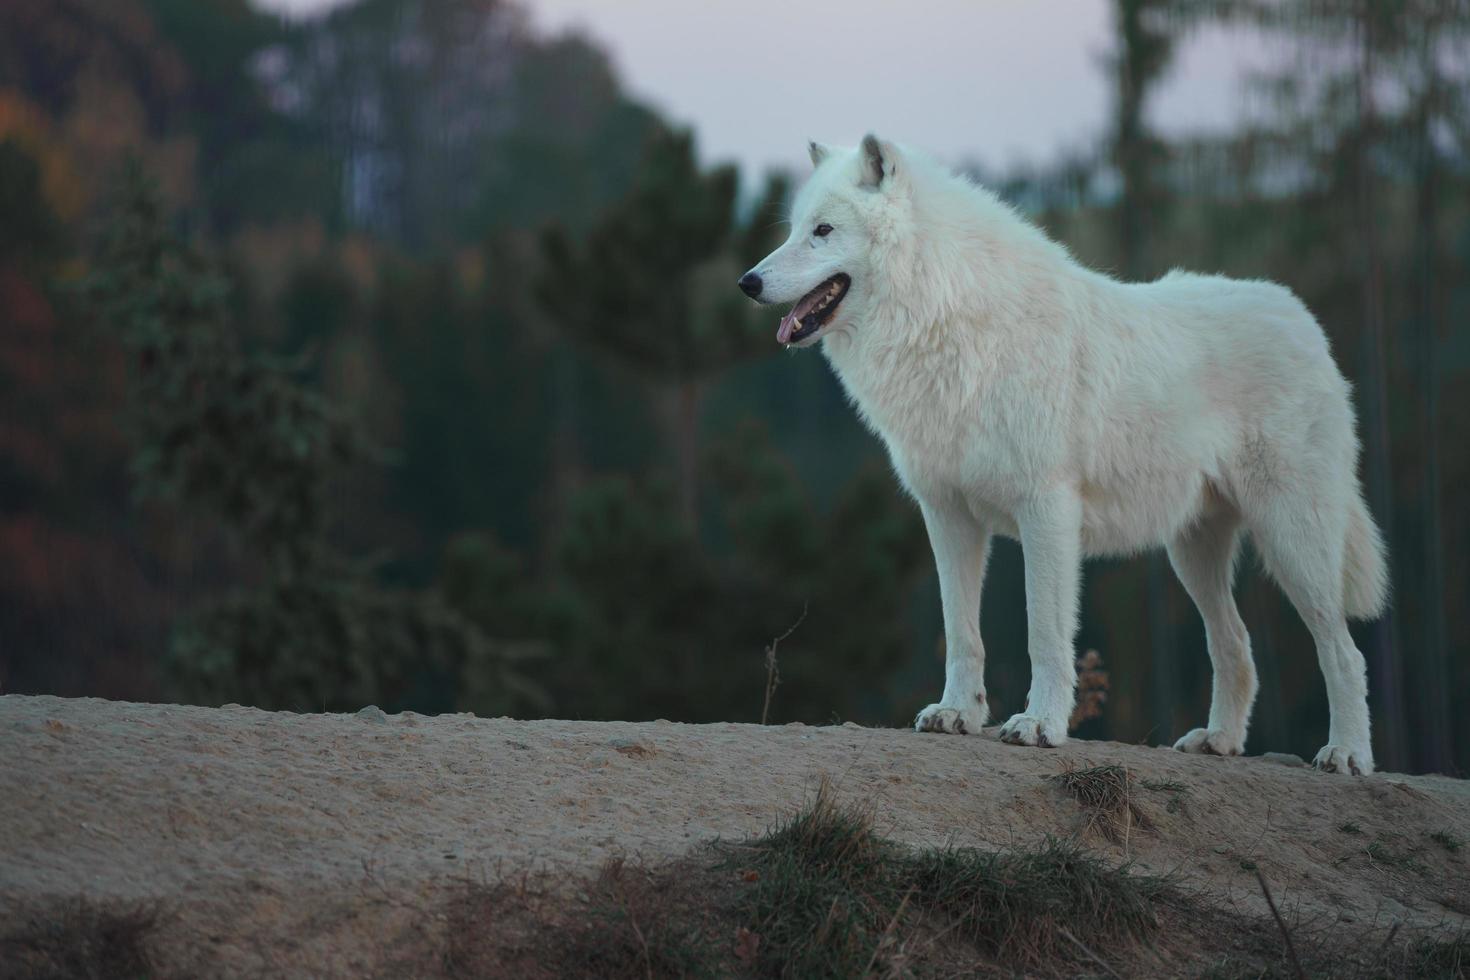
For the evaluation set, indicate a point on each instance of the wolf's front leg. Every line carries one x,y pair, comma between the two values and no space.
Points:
961,547
1051,542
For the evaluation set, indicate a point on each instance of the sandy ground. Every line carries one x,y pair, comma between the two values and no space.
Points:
320,844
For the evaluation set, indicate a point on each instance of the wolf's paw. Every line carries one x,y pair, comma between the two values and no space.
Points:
1211,741
1336,758
950,721
1030,730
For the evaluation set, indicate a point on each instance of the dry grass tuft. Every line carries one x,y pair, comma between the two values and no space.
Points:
1105,794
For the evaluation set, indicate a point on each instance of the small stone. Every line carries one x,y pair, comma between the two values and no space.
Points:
1284,759
373,713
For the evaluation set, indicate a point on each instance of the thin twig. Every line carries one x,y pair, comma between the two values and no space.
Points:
773,675
1127,810
883,939
1285,932
1090,954
633,921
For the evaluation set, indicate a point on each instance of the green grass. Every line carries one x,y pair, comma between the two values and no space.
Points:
1350,828
1232,968
1447,840
1165,786
833,899
825,890
1178,792
1421,958
1380,852
1425,959
823,894
1035,905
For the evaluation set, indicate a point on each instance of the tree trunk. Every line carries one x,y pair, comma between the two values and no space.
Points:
1435,681
1383,646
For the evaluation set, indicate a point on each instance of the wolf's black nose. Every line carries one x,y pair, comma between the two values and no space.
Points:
751,284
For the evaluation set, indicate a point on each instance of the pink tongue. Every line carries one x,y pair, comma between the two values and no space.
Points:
789,325
791,322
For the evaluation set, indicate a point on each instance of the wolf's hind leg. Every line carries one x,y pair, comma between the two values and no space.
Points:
1203,557
1302,537
961,548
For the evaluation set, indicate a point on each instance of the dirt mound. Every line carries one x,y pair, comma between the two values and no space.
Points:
269,843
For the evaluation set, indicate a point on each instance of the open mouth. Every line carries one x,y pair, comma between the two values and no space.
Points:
812,311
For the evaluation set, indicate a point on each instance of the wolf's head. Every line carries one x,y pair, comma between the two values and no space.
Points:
839,223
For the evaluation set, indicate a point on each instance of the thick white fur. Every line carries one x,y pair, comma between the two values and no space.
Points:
1022,394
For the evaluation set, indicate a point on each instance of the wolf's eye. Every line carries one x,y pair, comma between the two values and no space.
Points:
822,231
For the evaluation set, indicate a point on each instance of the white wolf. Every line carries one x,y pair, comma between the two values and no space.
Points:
1021,394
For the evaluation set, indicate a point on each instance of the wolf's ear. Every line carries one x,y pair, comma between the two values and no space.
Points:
879,160
818,152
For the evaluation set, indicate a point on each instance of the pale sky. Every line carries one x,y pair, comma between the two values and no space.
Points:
993,81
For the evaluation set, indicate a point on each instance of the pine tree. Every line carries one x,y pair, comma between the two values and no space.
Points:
233,437
651,289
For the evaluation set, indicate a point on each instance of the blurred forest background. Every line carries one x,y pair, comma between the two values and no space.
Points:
393,357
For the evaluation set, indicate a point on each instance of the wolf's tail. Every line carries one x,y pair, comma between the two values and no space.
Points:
1364,567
